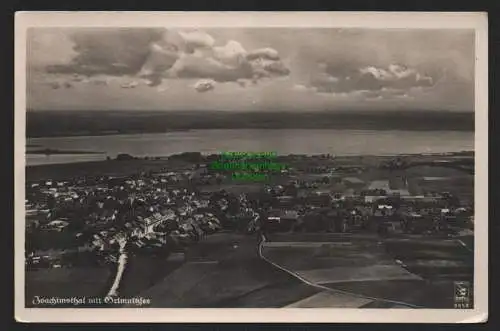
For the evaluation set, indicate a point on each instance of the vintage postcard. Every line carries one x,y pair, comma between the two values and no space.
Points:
251,167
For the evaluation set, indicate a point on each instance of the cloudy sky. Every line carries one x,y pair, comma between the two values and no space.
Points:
250,69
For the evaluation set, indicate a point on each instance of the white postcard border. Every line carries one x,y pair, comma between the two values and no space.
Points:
381,20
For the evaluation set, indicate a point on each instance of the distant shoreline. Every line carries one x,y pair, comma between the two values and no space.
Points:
101,123
115,167
49,151
95,134
105,134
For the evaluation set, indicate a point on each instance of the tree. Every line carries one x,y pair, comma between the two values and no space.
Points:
123,157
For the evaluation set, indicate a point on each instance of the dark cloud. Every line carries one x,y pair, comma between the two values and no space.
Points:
157,53
229,63
191,66
204,85
195,39
264,53
248,56
161,57
343,78
109,51
277,68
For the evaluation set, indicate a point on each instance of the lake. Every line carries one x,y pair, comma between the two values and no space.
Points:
282,141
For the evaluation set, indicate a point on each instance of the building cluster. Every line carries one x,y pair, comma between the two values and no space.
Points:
161,213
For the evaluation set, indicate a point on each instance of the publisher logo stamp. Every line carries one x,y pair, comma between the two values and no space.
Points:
462,295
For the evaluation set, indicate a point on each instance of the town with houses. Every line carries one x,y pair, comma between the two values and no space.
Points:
91,221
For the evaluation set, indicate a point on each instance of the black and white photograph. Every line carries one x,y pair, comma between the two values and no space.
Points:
251,160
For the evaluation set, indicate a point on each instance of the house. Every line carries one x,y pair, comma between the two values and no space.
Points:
373,198
57,225
282,220
156,219
31,212
382,211
286,201
349,193
421,201
399,192
325,177
289,215
353,182
319,198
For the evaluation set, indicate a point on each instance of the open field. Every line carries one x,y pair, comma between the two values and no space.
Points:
337,263
301,258
225,270
65,283
275,295
417,271
141,273
356,274
440,260
418,292
330,300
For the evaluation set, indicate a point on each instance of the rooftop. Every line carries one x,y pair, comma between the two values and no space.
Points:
354,180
